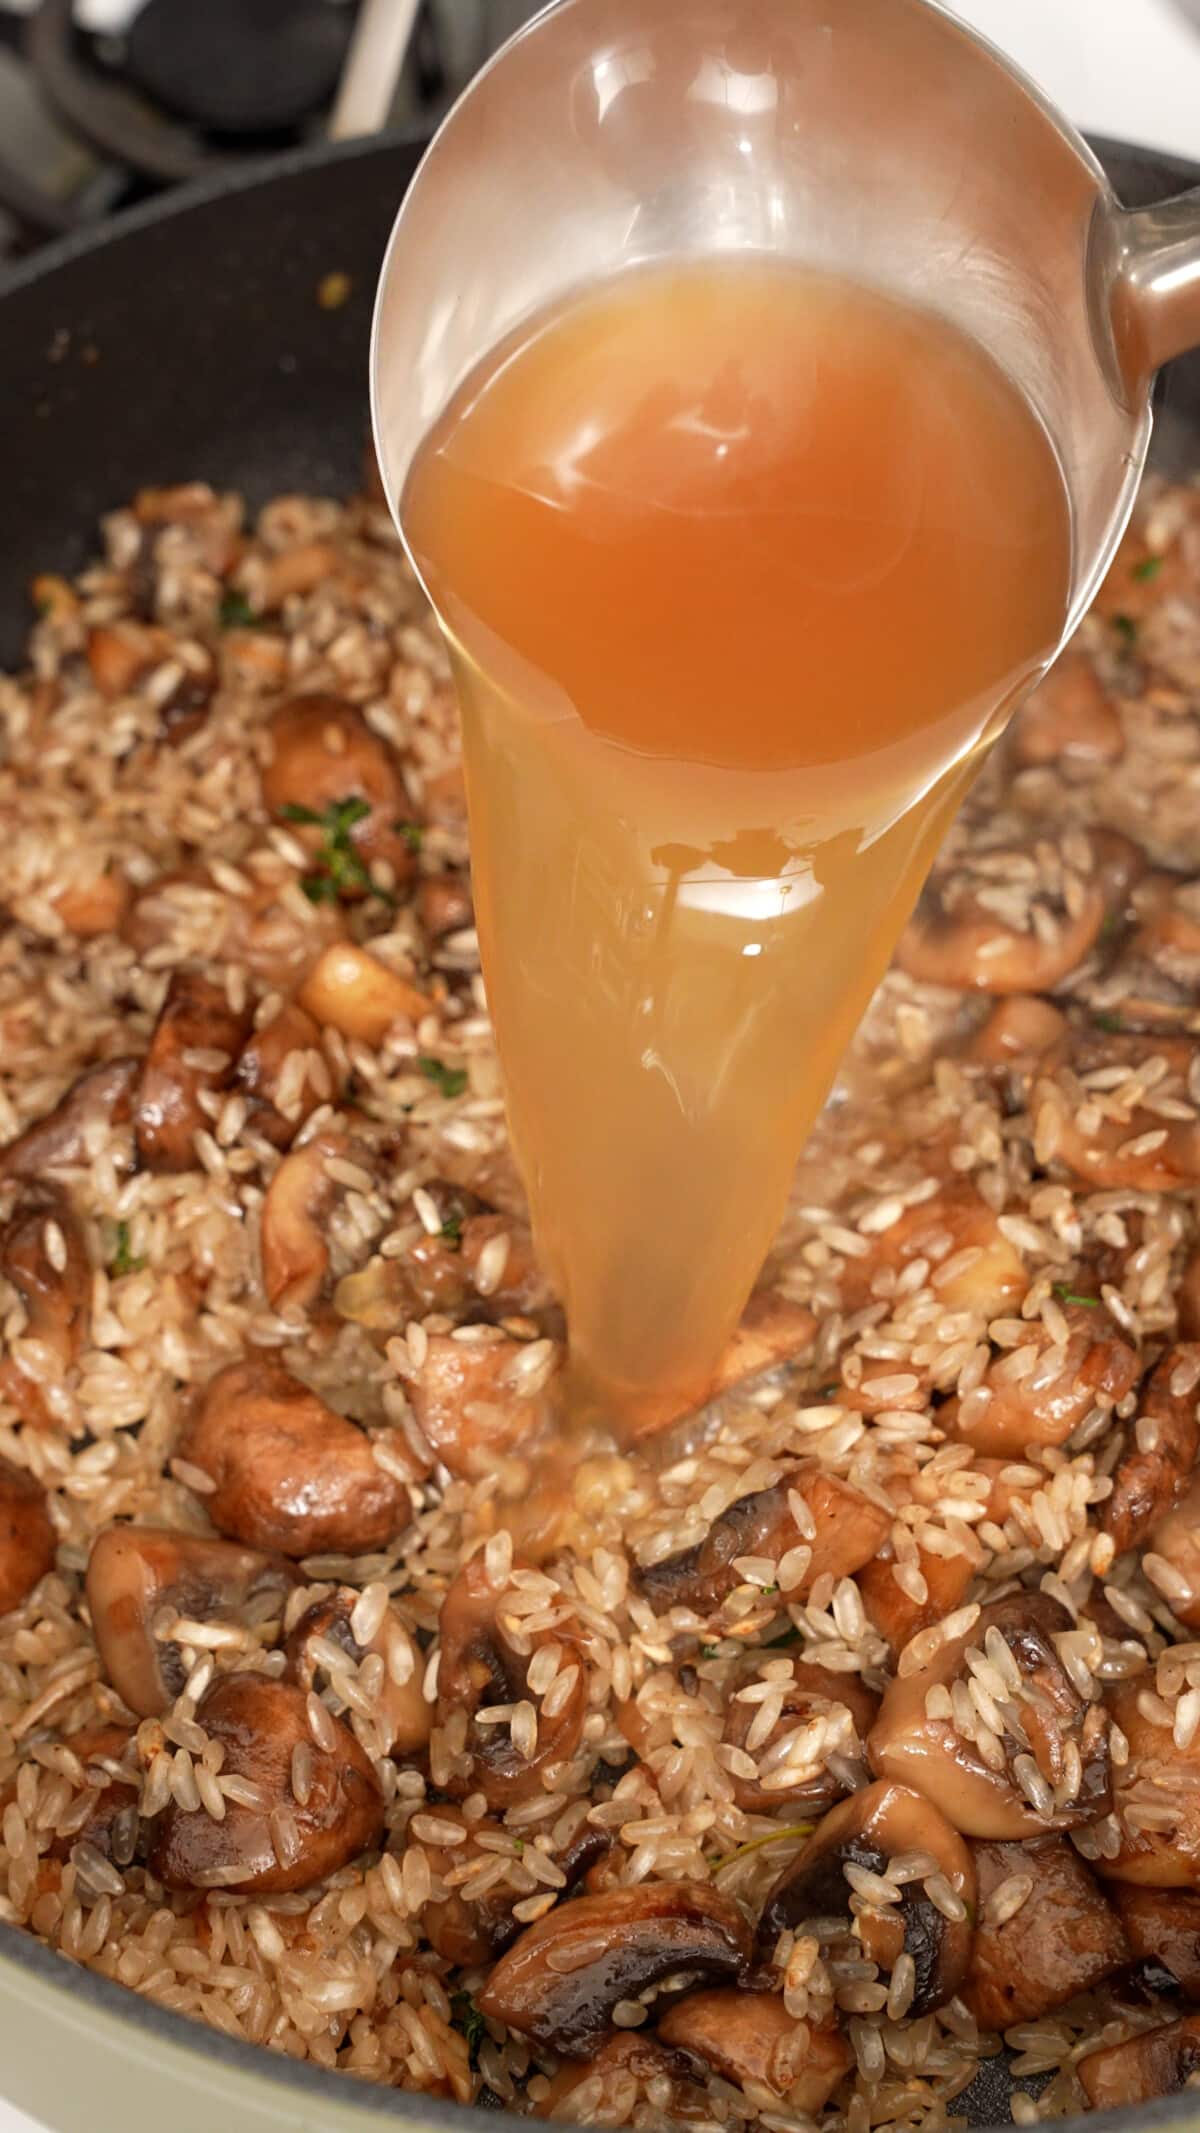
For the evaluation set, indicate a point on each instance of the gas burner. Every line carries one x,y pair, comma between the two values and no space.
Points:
109,100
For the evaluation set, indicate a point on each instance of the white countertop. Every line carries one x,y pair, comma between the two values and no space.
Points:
1124,67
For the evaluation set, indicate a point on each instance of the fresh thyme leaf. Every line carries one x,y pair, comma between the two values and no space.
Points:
709,1651
1126,627
1068,1296
451,1231
412,833
449,1081
1147,569
123,1261
1112,1023
235,611
767,1590
341,865
470,2024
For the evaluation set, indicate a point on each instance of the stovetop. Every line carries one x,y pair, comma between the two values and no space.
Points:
103,102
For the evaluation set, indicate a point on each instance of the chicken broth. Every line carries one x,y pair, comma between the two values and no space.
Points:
740,566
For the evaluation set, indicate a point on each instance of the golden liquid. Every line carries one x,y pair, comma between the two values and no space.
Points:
738,564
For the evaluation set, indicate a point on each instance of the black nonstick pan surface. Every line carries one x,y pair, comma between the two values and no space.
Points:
197,339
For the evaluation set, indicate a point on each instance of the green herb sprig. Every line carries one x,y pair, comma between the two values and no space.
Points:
342,866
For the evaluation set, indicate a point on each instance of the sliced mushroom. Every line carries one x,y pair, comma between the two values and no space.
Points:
1040,1391
94,905
561,1981
1111,1143
476,1398
1161,1446
973,1265
444,904
821,1714
138,1577
1162,1927
478,1259
1172,1562
1020,1028
472,1931
1155,2062
630,2068
289,1474
750,2036
507,1759
1157,1796
323,753
27,1537
997,1765
278,1100
313,1808
193,1050
43,1255
894,1610
1044,1932
1069,721
100,1097
293,1241
111,1824
982,926
352,991
848,1528
881,1824
400,1716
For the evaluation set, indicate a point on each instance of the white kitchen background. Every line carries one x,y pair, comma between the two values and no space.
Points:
1128,68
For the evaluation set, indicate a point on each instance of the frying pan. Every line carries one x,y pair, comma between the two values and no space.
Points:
189,340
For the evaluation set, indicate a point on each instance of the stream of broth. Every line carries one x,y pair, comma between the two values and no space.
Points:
740,567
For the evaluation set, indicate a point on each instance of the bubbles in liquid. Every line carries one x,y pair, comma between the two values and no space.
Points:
738,564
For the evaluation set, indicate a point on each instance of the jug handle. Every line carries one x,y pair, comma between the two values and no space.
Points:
1155,282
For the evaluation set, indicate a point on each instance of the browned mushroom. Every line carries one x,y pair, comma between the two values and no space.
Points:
1155,2062
928,1918
111,1825
626,2070
1044,1931
963,937
472,1931
1069,721
289,1473
351,990
475,1258
294,1246
139,1576
444,904
27,1537
1111,1145
93,905
479,1670
277,1102
1157,1796
750,2036
1172,1561
312,1807
341,1630
1161,1446
562,1979
975,1267
847,1529
1020,1028
100,1097
193,1049
992,1728
324,755
1042,1390
894,1610
476,1398
43,1255
821,1714
1162,1927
